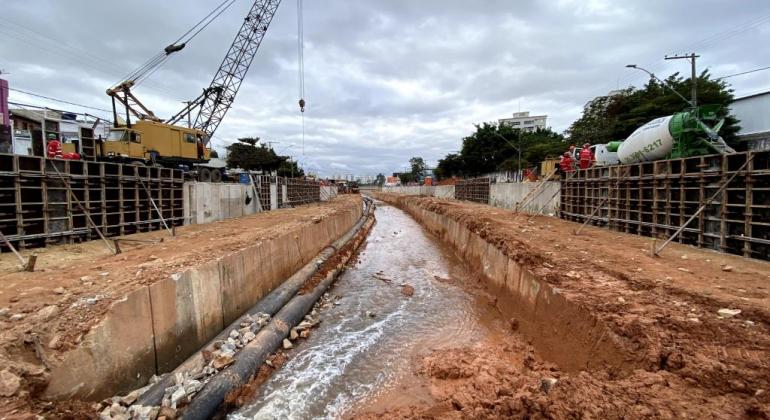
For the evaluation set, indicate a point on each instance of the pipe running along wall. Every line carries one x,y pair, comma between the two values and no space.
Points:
270,305
253,355
155,328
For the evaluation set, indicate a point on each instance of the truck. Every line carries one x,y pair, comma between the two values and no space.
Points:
680,135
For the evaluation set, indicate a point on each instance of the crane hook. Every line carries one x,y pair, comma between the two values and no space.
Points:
302,105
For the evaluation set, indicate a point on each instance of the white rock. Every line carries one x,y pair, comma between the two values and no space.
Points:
234,334
17,317
177,396
287,344
728,313
248,336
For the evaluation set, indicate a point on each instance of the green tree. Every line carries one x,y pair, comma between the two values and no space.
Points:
417,164
290,169
609,118
248,155
380,180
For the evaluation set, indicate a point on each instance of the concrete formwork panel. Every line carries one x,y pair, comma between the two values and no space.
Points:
116,356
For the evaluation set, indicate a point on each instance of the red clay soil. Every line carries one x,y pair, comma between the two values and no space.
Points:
683,359
74,285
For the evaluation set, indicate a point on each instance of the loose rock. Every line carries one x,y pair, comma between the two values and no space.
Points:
222,361
728,268
287,344
9,383
48,313
407,290
547,383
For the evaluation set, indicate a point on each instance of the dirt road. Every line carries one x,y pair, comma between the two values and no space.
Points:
684,355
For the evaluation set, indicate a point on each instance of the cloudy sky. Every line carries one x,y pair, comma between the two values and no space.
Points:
385,80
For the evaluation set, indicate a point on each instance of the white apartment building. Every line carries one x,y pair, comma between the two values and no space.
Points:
525,122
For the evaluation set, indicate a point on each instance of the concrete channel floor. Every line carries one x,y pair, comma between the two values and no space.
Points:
74,285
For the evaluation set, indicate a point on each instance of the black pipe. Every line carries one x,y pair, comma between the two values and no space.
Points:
253,355
270,304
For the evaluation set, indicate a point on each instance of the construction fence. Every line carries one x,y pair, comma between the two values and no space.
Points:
656,198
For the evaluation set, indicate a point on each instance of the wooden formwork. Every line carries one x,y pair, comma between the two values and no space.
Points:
36,207
656,198
474,189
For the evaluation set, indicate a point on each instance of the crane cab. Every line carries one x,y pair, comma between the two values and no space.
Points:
155,142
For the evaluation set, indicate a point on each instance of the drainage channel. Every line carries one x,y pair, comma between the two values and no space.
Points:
363,348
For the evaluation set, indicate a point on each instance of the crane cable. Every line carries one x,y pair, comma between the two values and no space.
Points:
157,61
301,66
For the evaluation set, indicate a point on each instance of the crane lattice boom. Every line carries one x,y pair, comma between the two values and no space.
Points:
217,99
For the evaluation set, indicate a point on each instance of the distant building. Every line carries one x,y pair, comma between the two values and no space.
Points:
525,122
753,111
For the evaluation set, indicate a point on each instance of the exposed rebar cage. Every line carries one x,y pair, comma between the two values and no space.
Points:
475,189
656,198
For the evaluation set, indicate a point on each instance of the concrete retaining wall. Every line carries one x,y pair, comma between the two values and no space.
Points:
562,331
156,327
504,195
507,194
206,202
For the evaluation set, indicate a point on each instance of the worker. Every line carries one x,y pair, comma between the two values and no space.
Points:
567,163
54,147
587,157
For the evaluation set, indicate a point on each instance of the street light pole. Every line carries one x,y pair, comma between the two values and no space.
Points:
634,66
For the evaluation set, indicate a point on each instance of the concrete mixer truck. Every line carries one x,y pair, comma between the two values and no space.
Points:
681,135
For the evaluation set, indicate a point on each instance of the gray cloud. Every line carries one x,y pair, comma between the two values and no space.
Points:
385,80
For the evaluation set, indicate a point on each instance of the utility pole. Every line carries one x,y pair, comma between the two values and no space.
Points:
694,77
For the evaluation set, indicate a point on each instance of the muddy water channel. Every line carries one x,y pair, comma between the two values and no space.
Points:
361,355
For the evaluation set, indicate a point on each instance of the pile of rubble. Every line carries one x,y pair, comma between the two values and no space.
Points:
220,355
186,384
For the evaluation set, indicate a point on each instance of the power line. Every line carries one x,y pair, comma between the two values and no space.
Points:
23,105
744,72
708,41
59,100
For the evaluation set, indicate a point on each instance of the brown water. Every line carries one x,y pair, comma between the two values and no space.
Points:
352,361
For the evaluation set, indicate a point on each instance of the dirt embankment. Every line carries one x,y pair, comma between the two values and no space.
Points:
686,358
45,313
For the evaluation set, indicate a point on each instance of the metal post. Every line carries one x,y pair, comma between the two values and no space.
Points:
694,79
